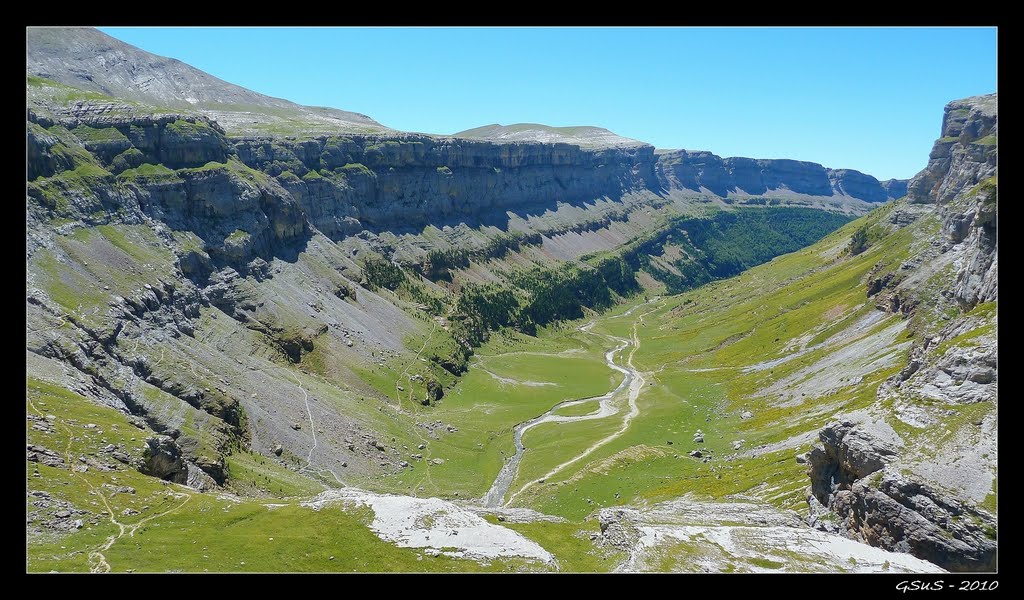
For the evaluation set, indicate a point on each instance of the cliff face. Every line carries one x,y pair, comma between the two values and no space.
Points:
961,179
854,183
937,499
410,181
701,170
964,155
895,188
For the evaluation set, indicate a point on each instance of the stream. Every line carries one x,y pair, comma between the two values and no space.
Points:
494,496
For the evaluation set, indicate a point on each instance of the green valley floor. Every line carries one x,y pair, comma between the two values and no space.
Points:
674,439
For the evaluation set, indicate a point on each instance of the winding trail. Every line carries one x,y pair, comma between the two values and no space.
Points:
312,423
97,561
508,380
312,431
632,380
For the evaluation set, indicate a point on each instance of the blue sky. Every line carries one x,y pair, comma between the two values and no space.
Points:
866,99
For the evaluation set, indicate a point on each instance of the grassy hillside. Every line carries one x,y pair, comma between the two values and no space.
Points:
758,363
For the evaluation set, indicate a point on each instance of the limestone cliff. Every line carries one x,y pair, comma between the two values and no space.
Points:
703,171
934,498
145,222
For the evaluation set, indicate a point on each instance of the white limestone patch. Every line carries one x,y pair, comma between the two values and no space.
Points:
434,523
795,549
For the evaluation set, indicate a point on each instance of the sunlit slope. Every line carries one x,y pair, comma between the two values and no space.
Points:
758,363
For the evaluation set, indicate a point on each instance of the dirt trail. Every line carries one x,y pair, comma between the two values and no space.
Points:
97,561
312,432
508,380
633,380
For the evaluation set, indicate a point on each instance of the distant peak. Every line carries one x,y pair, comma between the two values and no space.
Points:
90,60
585,136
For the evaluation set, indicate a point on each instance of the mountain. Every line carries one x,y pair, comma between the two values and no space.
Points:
88,59
899,475
274,332
583,136
709,173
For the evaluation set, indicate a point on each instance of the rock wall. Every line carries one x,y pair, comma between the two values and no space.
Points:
909,499
895,188
703,171
409,181
266,187
964,156
882,507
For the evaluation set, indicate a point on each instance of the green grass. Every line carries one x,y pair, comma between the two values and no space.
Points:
485,410
59,92
103,134
237,236
358,169
76,271
57,192
578,409
991,501
766,563
257,475
571,546
966,339
149,171
182,530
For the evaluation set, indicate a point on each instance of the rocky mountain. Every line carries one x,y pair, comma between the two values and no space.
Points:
300,301
90,60
583,136
930,498
342,245
895,188
710,173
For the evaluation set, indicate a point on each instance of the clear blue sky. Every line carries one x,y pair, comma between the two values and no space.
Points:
866,99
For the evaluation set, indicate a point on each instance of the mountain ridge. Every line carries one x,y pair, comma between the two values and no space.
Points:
93,61
276,312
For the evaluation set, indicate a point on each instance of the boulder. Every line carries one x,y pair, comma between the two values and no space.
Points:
162,459
850,476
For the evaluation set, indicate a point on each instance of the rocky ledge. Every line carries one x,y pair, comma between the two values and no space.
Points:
852,478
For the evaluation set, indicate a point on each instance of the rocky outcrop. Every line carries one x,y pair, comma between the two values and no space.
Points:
239,213
964,156
972,223
953,373
848,182
914,499
707,172
895,188
162,459
847,454
882,507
